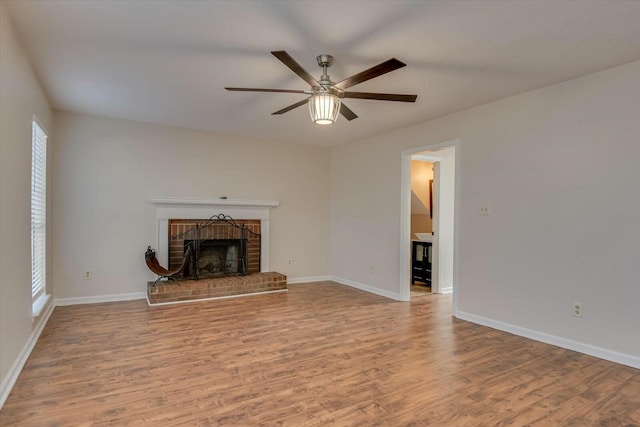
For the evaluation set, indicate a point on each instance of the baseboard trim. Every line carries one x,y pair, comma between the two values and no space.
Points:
100,298
591,350
447,290
393,295
14,372
307,279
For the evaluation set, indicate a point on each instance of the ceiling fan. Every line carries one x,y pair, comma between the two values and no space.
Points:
325,101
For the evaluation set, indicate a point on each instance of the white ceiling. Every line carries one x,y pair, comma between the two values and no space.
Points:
167,61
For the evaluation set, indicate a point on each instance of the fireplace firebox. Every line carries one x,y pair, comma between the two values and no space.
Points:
220,246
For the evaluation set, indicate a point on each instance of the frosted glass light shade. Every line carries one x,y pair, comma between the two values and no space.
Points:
324,108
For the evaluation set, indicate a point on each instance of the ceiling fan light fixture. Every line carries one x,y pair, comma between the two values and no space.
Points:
324,108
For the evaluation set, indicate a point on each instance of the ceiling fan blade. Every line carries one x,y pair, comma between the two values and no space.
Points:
381,96
291,107
378,70
249,89
347,113
287,60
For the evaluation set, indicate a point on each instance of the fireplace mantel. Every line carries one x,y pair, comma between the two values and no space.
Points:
214,202
195,208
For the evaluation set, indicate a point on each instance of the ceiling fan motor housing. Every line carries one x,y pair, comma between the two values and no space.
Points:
325,61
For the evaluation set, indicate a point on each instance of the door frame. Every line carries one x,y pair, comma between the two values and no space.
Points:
405,215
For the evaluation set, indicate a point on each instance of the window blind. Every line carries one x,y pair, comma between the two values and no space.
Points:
38,211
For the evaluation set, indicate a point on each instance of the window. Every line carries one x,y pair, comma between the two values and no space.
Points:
38,217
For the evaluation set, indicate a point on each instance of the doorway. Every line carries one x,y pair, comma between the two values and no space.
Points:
443,215
422,230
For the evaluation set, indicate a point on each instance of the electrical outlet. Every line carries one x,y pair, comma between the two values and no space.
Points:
484,210
577,309
87,275
289,261
372,269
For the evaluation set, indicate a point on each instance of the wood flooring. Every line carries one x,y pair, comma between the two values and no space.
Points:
321,354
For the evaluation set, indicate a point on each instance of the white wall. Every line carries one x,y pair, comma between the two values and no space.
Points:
559,168
107,170
365,220
20,98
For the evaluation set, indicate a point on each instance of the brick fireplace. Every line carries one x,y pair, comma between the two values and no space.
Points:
202,209
220,246
222,259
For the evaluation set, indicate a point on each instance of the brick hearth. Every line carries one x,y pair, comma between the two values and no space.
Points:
187,290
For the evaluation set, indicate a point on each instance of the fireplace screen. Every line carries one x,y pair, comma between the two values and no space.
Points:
220,246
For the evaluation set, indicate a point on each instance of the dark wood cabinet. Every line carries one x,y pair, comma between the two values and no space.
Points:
421,262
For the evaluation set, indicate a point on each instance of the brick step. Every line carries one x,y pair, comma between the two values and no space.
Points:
187,290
